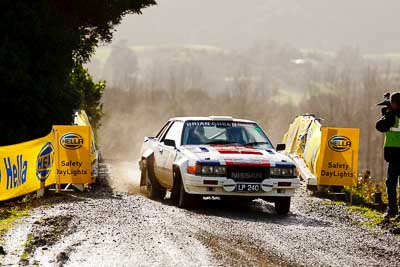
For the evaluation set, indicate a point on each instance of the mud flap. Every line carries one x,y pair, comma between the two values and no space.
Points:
143,171
144,164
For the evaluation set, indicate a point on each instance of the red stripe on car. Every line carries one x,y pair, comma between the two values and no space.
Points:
263,163
238,151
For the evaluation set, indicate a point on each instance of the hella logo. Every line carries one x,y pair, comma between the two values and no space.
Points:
44,162
71,141
339,143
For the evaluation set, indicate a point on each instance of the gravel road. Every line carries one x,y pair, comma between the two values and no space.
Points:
119,227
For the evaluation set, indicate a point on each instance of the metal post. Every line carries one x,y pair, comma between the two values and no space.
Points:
58,186
351,195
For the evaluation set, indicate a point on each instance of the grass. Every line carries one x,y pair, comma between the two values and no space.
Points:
330,202
8,215
374,217
28,248
29,241
24,255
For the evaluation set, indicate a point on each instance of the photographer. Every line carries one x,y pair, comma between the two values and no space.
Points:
389,124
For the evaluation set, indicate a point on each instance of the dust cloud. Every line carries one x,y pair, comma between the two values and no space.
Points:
119,144
124,176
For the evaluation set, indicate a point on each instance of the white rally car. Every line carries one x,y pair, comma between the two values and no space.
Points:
216,156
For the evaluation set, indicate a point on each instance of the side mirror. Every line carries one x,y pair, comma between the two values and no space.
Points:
280,147
147,138
169,142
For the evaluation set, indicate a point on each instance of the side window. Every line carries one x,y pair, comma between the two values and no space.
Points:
174,132
159,134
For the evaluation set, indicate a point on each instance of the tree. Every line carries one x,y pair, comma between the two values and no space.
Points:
41,42
90,93
121,66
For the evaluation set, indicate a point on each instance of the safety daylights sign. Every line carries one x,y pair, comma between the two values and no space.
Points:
338,160
73,154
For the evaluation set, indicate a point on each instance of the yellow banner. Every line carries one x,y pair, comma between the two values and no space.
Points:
338,157
26,167
64,156
302,134
311,149
73,163
291,136
82,119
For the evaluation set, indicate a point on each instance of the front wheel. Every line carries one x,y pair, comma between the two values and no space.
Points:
282,205
180,197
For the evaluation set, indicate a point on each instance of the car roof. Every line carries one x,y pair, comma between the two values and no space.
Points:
211,118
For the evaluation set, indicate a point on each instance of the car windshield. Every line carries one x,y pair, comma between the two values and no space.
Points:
224,133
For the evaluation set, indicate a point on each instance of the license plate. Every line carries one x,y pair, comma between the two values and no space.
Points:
248,188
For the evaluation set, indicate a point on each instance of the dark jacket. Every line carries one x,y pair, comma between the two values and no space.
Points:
391,154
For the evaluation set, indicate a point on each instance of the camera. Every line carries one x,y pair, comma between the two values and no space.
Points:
385,103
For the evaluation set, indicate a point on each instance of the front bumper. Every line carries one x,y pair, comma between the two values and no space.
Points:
274,187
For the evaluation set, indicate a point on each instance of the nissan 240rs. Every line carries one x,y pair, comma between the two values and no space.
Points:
230,158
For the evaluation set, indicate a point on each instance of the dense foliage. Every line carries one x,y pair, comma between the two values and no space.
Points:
90,93
41,43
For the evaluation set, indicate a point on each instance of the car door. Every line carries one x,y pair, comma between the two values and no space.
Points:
167,154
156,149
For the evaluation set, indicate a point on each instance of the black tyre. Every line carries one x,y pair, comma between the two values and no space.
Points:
282,205
163,193
179,196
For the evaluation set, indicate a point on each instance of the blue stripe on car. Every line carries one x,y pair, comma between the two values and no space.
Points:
208,162
285,165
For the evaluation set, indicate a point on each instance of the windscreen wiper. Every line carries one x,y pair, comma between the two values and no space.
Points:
219,142
255,143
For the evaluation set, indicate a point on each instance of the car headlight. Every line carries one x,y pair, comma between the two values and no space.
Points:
219,170
283,172
207,170
212,170
275,171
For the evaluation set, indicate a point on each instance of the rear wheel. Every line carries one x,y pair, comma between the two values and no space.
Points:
153,188
282,205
